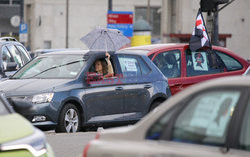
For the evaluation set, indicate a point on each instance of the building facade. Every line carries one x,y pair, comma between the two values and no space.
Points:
171,21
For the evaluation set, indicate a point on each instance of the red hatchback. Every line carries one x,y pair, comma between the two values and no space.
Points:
184,68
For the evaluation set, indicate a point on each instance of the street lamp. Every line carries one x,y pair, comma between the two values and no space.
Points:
67,24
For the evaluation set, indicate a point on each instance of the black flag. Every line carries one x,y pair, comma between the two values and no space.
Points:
199,38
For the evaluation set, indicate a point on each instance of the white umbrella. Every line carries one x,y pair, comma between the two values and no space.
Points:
104,39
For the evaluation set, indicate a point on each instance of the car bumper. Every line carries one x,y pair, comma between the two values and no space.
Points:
43,116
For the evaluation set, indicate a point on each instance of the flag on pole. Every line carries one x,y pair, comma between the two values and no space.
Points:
199,38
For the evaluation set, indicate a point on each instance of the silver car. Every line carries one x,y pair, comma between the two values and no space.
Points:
209,119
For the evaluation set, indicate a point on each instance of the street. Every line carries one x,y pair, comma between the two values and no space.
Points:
69,144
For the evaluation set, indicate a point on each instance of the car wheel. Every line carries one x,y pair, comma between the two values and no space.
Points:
154,105
69,119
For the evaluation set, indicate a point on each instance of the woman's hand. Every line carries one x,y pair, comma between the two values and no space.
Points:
108,55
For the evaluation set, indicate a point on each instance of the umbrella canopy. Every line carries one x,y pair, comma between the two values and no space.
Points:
104,39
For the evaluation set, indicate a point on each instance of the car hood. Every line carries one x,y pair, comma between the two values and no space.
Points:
13,87
13,127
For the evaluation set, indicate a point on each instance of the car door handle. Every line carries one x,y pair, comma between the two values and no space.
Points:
147,86
118,88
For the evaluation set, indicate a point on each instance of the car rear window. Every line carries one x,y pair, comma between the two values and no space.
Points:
231,63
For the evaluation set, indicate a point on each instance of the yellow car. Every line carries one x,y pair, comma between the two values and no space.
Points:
18,138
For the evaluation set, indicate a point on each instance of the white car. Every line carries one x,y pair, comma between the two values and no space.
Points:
206,120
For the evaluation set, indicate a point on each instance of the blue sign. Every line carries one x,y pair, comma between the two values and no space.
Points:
23,28
126,29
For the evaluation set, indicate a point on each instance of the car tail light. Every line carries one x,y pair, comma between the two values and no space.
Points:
85,151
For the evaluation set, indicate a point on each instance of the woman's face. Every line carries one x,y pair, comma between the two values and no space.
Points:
98,66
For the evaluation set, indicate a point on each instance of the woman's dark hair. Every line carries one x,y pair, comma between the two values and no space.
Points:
104,65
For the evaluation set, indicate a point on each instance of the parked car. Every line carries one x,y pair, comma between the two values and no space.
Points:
209,119
247,72
18,137
13,56
67,94
184,68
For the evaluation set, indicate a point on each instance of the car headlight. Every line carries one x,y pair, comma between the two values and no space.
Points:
34,143
41,98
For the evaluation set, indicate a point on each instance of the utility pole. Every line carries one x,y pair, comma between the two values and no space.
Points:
67,24
215,34
21,11
109,5
148,13
212,7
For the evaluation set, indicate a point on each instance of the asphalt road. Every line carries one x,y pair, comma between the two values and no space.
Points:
69,145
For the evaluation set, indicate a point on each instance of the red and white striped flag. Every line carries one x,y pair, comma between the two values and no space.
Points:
199,38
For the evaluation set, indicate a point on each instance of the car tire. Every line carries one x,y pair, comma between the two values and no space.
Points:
154,105
69,119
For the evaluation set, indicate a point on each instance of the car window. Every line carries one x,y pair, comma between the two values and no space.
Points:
245,130
24,54
205,118
129,65
151,56
6,57
203,63
144,67
169,63
231,63
16,55
3,109
156,130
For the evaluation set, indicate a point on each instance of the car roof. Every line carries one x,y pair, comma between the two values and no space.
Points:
52,50
66,52
155,47
87,52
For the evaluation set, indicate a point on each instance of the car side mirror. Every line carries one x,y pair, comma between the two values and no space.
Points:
93,77
11,66
21,106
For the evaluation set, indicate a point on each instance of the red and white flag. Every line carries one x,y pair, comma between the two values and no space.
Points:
199,38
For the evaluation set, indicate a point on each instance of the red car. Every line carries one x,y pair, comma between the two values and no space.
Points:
184,68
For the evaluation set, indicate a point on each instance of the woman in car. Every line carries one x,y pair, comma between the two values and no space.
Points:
104,67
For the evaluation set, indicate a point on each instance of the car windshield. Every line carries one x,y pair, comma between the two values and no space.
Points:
52,67
3,109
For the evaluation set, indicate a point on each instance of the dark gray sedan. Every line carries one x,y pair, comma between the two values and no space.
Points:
66,95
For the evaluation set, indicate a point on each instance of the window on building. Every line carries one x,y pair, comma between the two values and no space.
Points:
47,44
10,2
155,18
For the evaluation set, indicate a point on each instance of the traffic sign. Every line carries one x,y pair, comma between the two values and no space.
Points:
23,28
23,32
126,29
121,20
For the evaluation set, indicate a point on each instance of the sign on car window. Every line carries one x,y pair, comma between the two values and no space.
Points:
213,112
129,66
206,117
200,61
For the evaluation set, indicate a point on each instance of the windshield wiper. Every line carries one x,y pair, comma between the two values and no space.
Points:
58,66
